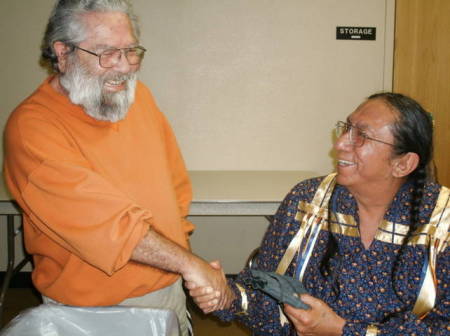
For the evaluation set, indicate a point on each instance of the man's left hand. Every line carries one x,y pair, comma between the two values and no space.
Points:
319,320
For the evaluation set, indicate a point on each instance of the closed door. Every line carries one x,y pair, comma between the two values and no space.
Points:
422,67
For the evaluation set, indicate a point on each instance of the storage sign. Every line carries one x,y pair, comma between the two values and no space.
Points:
356,33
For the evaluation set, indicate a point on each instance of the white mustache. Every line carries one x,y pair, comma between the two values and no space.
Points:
87,89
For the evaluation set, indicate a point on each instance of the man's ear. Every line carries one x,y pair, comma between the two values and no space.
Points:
61,51
405,164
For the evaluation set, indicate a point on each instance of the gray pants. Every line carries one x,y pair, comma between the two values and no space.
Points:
171,297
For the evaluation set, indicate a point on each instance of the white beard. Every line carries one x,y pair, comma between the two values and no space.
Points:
87,90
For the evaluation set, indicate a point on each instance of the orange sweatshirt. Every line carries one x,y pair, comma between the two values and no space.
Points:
90,190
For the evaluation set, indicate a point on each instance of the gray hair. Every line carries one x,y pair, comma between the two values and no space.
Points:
65,23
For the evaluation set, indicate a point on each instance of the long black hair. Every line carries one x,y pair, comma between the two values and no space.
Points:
413,133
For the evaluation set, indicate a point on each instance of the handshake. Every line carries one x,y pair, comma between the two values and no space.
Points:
218,295
208,286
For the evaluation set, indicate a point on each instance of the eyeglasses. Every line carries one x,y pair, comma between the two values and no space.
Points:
111,57
356,135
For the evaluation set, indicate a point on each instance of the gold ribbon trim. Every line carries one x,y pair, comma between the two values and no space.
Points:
315,212
434,234
437,236
244,299
372,330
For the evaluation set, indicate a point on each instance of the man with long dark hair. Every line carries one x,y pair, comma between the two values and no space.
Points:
369,243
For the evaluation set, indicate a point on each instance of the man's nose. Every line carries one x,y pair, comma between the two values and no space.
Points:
343,142
122,64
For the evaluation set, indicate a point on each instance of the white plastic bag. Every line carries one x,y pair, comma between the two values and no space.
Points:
58,320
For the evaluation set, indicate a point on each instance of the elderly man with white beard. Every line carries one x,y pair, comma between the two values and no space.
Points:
96,169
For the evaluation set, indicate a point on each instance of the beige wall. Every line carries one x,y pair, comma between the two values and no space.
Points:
259,84
247,85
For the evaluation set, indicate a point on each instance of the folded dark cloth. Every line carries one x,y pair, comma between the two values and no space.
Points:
281,287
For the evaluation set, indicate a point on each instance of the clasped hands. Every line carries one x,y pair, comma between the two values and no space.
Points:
208,287
213,293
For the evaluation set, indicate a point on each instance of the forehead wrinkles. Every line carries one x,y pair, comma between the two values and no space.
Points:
374,115
102,27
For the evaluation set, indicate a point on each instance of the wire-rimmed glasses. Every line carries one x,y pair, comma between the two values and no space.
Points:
356,136
111,57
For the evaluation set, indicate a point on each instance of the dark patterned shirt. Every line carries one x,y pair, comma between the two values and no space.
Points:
378,285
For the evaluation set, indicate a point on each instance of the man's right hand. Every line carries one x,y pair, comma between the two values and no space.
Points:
212,297
157,251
